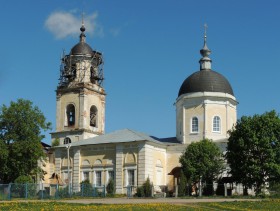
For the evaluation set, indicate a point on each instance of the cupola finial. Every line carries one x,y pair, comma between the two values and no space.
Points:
205,61
205,33
82,35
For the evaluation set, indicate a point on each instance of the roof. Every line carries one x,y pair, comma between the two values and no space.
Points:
81,48
205,81
169,140
120,136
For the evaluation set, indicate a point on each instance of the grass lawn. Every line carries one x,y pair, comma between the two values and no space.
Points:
52,205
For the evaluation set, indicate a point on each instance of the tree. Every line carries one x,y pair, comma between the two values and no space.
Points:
20,139
182,188
202,160
110,188
253,151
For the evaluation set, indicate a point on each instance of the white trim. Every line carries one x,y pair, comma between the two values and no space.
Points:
184,125
220,124
191,125
126,169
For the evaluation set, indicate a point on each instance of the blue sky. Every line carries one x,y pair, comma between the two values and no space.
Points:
149,48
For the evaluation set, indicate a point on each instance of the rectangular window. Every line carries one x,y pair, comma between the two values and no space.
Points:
98,178
111,175
65,177
85,176
216,124
130,177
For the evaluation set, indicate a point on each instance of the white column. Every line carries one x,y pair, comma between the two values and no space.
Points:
105,177
125,177
94,178
135,177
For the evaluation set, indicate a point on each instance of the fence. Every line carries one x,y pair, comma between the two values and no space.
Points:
48,191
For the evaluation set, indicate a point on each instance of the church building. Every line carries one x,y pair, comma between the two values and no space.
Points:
205,108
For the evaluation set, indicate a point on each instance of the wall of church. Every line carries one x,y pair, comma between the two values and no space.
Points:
191,112
96,158
213,110
227,115
97,100
173,154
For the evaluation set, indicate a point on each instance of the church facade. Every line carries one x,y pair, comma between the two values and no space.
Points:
205,108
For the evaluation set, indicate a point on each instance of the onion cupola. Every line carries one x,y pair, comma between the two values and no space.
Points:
205,80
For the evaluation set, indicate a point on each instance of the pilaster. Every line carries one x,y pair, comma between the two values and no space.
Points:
58,161
59,115
119,168
82,110
76,170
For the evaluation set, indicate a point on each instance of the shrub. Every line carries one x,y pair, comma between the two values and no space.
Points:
24,185
182,188
55,142
145,190
86,188
110,188
140,191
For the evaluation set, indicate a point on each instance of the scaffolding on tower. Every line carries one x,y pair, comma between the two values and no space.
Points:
68,68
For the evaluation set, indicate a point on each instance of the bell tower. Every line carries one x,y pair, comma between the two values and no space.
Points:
80,95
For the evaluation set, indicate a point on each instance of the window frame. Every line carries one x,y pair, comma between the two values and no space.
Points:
192,125
98,180
70,115
93,107
131,177
216,124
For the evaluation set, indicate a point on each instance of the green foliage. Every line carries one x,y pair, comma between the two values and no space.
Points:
24,179
20,139
182,188
253,151
140,191
24,187
110,188
203,160
63,192
145,190
86,188
147,186
55,142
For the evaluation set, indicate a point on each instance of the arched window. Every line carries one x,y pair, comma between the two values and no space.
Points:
216,124
93,116
67,140
194,125
70,115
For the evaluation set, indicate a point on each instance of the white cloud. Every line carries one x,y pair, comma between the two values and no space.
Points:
115,31
63,24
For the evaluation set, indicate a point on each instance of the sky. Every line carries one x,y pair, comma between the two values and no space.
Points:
149,48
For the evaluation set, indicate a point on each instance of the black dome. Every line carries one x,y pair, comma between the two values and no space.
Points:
81,48
205,81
